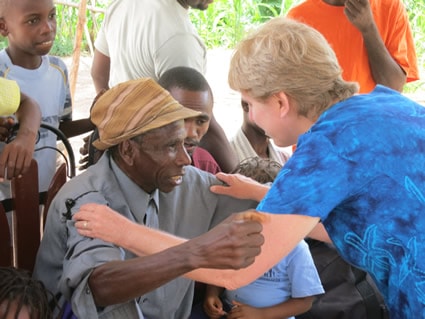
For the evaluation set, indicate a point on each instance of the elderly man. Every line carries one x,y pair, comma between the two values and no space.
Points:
145,175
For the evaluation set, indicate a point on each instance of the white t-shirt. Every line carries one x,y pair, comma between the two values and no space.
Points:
48,85
145,38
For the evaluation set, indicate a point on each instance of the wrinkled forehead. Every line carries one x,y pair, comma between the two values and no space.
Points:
172,131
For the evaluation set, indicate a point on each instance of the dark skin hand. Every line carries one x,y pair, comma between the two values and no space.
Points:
232,244
291,307
16,155
385,69
213,307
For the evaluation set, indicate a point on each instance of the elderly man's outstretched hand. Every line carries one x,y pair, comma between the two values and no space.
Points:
232,244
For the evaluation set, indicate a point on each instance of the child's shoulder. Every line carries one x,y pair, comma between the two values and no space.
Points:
57,61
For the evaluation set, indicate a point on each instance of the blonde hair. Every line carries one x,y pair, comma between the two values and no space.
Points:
289,56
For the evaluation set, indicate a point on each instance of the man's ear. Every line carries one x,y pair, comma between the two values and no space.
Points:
284,105
3,28
126,151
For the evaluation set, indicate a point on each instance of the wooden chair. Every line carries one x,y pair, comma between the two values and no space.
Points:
29,210
6,256
57,181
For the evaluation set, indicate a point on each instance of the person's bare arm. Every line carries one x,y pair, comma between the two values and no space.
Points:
319,233
232,244
216,142
385,69
16,156
240,186
120,281
281,234
100,71
77,127
286,309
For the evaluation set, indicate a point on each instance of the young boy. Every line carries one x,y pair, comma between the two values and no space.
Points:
15,156
286,290
250,140
30,27
21,296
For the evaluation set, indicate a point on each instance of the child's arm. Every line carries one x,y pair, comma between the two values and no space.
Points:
288,308
77,127
212,305
16,156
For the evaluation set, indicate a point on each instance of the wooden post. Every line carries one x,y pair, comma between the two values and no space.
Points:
77,46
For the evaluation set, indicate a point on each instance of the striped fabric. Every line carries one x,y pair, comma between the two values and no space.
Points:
132,108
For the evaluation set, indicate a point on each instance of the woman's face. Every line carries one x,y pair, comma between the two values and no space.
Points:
274,116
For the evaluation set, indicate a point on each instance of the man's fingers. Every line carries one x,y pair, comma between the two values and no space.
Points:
252,215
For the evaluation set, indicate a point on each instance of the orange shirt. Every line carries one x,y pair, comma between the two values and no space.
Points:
347,42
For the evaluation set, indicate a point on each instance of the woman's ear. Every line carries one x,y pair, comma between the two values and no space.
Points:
284,105
3,28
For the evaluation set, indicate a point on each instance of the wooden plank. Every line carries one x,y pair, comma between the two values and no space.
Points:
26,218
77,46
6,258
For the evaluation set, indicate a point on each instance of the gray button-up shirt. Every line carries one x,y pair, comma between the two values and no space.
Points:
66,259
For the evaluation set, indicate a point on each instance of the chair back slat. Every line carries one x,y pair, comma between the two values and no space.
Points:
57,182
6,257
26,214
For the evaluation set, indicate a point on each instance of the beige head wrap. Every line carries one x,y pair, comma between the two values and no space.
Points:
132,108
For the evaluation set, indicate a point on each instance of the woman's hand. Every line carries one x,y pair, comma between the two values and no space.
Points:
240,186
100,221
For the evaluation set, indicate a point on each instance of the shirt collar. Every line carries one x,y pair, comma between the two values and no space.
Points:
137,199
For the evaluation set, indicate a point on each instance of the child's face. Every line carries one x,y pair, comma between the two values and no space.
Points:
196,127
23,314
30,26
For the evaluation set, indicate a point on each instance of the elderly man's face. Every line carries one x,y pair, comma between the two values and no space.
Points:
159,160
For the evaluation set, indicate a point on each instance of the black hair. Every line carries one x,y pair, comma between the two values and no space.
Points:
263,170
185,78
17,285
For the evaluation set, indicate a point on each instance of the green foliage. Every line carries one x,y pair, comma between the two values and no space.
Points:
223,24
227,21
415,10
67,19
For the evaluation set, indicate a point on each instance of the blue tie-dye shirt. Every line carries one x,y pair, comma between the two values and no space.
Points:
361,169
